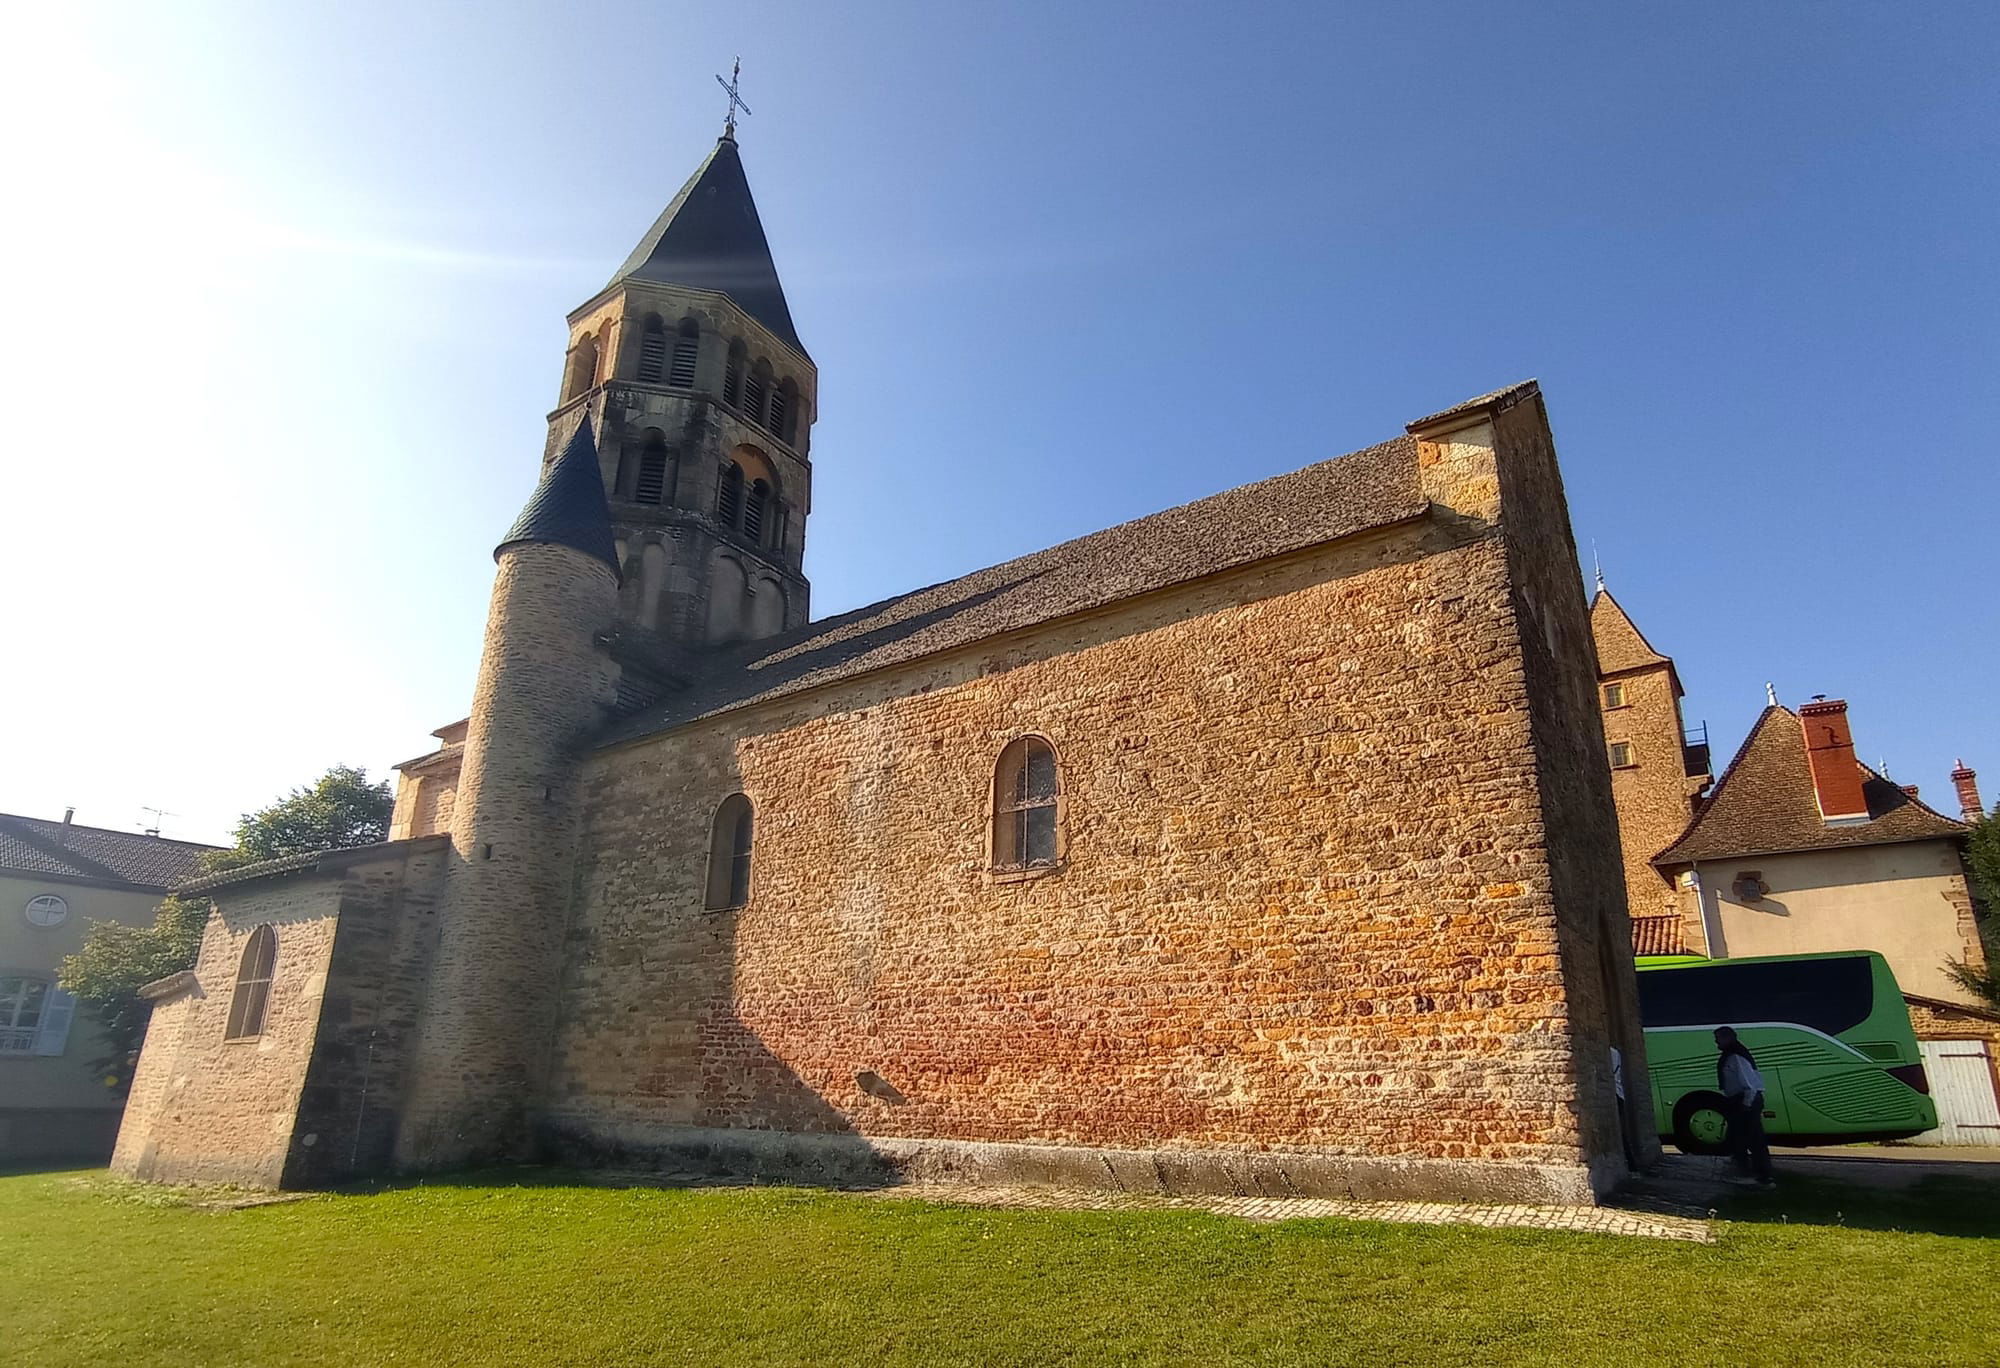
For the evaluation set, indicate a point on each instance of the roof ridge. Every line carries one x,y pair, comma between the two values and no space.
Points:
56,850
108,831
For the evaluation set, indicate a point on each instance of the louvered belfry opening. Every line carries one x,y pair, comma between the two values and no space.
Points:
754,389
652,350
780,410
754,506
732,375
687,351
729,497
651,487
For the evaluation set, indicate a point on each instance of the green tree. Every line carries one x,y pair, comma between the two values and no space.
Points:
340,810
1982,860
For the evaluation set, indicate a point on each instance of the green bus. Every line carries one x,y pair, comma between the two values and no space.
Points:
1830,1033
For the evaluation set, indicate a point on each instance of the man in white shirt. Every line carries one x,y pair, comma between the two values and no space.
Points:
1742,1087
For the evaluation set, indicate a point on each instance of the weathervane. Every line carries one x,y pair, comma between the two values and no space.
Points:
735,100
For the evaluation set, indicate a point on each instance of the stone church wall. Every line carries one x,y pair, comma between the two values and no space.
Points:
315,1096
209,1110
1309,935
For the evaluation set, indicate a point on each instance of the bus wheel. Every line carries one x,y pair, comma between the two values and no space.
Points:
1701,1124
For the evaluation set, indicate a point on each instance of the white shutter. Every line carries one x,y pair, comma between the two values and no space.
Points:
57,1013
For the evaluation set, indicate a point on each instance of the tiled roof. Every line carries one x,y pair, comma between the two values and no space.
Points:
568,506
317,861
1764,805
1369,488
1620,644
31,845
710,238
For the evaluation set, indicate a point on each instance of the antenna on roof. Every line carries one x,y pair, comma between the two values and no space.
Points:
158,813
1770,693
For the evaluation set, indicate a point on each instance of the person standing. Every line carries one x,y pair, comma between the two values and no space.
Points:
1743,1088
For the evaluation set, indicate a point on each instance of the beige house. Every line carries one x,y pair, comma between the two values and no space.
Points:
56,878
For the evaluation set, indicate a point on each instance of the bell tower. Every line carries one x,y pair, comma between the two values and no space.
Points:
703,399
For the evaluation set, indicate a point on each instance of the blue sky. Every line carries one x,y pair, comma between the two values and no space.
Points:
287,289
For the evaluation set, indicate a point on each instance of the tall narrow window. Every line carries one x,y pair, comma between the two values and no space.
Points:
732,375
651,487
653,350
1027,807
253,985
755,387
785,412
729,497
756,503
687,351
729,853
582,367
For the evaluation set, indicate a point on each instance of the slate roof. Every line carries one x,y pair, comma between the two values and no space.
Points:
1620,643
1369,488
32,845
710,238
568,506
1764,805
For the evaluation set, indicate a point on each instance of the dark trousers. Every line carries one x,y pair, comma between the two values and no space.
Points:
1747,1141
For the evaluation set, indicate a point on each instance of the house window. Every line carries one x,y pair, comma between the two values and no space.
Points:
253,985
653,350
729,854
687,351
1614,695
23,1003
1027,807
46,909
1621,755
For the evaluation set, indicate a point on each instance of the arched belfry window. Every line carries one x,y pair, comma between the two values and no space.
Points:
732,375
655,467
687,351
653,350
729,496
582,367
756,511
253,985
1027,807
785,412
755,387
729,853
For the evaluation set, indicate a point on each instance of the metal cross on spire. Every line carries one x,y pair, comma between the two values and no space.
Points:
735,100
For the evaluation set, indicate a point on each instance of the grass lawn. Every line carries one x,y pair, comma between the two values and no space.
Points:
527,1267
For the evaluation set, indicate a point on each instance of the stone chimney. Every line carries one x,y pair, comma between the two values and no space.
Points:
1967,784
1836,774
1910,789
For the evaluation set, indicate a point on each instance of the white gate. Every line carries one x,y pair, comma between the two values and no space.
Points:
1961,1075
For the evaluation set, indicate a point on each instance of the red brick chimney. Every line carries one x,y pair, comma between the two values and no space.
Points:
1967,784
1836,774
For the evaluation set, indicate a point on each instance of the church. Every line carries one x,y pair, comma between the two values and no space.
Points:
1261,845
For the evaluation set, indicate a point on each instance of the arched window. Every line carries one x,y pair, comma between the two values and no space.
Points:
785,412
582,367
653,350
1027,807
729,496
732,375
654,462
253,985
687,350
755,388
756,504
729,853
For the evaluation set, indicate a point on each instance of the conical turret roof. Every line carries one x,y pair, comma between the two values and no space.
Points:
568,507
710,238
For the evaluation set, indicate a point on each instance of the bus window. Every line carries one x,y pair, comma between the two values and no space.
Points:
1829,995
